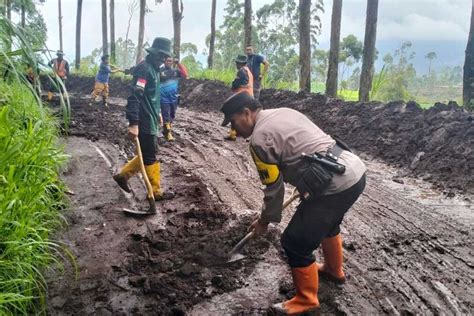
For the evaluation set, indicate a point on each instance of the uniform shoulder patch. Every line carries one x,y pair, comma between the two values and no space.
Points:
268,173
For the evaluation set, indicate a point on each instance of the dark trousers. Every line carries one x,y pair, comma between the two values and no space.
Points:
149,148
55,85
315,220
256,88
168,111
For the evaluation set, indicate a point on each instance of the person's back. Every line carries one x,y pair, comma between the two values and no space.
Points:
290,133
169,80
103,75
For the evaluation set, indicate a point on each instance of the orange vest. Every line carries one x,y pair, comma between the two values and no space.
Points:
60,68
249,86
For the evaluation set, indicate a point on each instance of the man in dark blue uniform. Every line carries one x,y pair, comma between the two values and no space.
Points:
254,61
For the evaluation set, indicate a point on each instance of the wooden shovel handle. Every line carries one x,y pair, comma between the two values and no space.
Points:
250,235
149,188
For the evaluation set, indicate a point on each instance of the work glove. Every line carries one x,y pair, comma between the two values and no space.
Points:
133,131
258,227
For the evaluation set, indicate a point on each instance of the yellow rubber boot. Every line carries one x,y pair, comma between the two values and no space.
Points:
232,135
50,96
333,257
168,133
306,298
130,169
153,172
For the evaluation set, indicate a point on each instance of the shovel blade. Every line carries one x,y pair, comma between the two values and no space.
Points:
137,212
236,257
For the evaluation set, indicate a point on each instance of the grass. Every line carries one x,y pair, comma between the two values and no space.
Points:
31,193
31,198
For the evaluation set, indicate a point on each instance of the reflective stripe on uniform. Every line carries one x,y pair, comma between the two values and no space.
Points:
268,173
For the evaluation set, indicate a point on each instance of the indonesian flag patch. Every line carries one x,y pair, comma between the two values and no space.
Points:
141,82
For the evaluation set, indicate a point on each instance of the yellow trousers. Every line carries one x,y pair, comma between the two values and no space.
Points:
100,88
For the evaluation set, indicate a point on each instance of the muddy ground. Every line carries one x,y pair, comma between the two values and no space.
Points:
408,246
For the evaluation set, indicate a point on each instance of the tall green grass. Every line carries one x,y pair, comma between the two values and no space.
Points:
31,194
30,198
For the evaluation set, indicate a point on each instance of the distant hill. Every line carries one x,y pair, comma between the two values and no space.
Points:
450,53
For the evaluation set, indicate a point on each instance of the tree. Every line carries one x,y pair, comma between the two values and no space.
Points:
278,26
305,45
132,7
141,31
78,34
468,77
212,40
350,53
60,17
320,64
430,56
400,73
23,13
248,23
112,31
177,7
105,42
369,50
333,62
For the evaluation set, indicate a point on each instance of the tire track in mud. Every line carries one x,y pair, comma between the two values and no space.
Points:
223,165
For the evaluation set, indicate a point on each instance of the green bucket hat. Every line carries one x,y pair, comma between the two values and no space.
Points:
241,59
160,45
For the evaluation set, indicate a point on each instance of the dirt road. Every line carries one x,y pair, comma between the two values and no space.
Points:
408,249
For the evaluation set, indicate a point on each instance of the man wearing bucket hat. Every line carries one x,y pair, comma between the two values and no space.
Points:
143,114
243,82
288,147
61,69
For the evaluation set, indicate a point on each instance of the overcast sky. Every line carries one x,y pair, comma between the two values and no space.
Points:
399,20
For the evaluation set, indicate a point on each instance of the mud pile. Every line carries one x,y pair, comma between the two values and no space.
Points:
85,85
205,95
435,144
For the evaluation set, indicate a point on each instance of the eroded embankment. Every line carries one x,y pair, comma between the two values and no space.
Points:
435,144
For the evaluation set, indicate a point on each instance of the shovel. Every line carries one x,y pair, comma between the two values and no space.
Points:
234,254
149,189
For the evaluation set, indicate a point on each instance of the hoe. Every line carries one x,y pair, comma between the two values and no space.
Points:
234,254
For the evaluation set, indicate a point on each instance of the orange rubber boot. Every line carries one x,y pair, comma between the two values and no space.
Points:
332,267
306,298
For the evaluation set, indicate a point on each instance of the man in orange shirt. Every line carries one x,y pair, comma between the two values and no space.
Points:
61,69
243,82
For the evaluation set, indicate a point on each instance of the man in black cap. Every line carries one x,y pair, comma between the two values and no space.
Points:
61,69
243,82
143,114
329,179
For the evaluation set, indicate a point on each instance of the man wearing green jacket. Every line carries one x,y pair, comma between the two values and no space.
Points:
143,113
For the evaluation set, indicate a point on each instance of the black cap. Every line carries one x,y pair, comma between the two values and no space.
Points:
236,103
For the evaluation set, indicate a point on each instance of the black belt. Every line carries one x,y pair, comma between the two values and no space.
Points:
334,152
